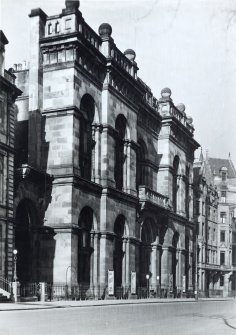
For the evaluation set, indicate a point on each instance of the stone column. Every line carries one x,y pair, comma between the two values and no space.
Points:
124,243
103,267
153,281
178,195
96,257
107,156
96,156
127,265
166,264
178,270
190,271
126,168
92,262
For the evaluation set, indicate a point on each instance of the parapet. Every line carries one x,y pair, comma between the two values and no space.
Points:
168,109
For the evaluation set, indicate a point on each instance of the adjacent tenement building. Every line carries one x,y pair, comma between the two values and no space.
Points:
213,233
104,188
224,174
8,94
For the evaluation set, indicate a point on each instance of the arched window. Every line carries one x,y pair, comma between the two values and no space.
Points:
120,126
140,170
84,247
187,192
175,183
86,144
57,27
49,29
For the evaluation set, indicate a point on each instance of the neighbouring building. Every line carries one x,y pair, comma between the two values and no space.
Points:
8,94
104,170
215,203
225,179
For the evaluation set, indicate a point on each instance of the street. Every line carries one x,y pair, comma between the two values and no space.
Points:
188,318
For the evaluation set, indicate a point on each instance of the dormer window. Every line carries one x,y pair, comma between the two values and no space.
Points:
57,27
68,24
49,29
223,173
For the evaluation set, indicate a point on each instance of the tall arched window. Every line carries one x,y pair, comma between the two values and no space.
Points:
120,126
84,247
86,144
175,183
140,170
187,192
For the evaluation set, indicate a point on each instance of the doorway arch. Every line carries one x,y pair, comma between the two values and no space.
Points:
26,242
84,247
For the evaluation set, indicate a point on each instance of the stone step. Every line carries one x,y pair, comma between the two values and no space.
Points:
3,298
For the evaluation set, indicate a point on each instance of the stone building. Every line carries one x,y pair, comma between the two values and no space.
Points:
8,94
215,203
225,179
104,169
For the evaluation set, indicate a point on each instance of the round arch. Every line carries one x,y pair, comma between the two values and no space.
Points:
86,143
118,252
140,166
26,241
85,249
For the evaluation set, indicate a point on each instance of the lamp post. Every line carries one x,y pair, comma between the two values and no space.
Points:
14,275
158,286
147,277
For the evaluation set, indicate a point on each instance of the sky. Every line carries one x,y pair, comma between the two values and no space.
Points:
188,46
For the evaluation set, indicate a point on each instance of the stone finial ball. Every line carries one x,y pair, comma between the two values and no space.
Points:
181,107
130,54
190,120
166,92
105,30
72,4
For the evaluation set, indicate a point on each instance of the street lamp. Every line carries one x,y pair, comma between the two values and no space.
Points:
147,277
158,286
14,284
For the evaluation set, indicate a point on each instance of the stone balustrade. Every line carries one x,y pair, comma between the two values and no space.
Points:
121,59
146,194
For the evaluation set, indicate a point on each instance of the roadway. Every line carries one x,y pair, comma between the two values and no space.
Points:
178,318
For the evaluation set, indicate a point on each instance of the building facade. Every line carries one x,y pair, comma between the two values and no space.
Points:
215,203
104,170
225,179
8,94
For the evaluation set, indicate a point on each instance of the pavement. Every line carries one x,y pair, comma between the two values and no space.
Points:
18,306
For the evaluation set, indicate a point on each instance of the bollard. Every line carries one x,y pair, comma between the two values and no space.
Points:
42,291
14,290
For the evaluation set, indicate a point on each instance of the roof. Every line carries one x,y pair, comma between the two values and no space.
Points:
218,163
3,38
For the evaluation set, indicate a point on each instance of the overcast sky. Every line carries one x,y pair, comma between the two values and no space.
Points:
188,46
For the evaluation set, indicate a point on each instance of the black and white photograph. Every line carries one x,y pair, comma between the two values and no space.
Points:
117,167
